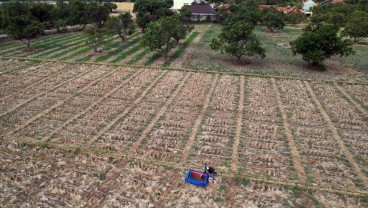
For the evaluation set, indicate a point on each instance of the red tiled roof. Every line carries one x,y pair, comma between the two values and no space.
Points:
226,5
264,6
282,9
337,1
203,9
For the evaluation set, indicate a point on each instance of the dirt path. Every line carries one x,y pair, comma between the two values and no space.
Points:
94,104
126,111
158,115
294,152
61,102
198,121
359,107
182,61
336,136
235,156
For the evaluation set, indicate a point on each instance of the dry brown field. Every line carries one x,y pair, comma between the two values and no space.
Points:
97,135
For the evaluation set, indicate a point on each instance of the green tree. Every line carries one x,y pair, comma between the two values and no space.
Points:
96,13
185,14
150,10
357,26
164,34
237,38
96,36
110,6
20,24
122,25
273,19
319,42
78,13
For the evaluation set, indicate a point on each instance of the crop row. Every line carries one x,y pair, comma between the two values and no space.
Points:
284,129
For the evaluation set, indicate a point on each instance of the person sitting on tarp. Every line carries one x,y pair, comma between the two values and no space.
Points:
210,170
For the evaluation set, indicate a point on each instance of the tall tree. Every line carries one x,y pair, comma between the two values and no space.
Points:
20,24
150,10
357,26
237,38
164,34
319,42
96,36
122,25
273,19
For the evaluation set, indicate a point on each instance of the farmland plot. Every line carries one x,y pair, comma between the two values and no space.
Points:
85,118
89,180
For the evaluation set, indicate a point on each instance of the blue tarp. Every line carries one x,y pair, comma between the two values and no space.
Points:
193,177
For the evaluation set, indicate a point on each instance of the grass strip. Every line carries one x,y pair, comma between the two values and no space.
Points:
60,47
77,53
63,52
139,57
19,44
181,50
153,58
38,44
117,50
126,54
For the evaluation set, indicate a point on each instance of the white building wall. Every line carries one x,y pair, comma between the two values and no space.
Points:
178,4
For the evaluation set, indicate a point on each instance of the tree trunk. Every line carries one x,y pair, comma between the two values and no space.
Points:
28,44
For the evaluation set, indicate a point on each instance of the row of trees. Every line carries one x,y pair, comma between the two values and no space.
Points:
351,17
318,41
25,21
163,28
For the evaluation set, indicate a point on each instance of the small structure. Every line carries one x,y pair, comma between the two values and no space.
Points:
201,13
308,5
197,178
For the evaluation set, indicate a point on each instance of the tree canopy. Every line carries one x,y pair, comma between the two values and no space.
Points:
121,25
237,39
319,42
165,34
357,26
150,10
273,19
20,24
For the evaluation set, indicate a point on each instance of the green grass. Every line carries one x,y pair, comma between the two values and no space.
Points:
139,57
279,60
61,46
41,43
77,53
181,50
126,54
19,44
62,53
153,58
117,50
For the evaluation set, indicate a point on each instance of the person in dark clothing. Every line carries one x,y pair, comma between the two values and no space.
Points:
209,170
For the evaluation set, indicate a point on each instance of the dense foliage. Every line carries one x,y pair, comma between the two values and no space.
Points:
319,42
121,25
165,34
272,19
357,26
20,24
237,37
150,10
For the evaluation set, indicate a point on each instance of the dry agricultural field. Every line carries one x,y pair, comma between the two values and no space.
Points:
120,129
96,135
